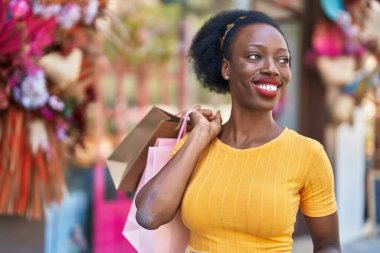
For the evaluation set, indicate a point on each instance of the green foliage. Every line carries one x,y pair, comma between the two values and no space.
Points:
145,36
152,35
172,1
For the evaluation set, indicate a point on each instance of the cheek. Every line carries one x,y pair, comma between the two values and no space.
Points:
286,75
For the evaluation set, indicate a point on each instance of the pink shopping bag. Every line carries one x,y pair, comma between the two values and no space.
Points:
173,236
109,217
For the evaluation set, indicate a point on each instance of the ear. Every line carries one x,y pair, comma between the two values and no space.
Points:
225,71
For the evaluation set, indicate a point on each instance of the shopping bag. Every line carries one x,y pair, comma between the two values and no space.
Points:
127,162
171,237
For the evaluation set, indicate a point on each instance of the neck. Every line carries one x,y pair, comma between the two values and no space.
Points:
245,126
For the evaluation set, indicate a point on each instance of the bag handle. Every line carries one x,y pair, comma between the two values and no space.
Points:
183,129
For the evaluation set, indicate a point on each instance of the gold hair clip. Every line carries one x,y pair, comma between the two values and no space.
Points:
228,28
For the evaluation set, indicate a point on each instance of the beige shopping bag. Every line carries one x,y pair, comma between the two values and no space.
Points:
127,162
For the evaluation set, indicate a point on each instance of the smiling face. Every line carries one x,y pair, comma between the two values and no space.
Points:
258,69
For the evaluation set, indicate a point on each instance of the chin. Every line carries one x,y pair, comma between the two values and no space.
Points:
262,107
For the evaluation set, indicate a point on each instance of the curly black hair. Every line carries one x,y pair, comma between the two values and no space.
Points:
206,51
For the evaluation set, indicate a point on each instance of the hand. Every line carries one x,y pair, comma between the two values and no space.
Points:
206,123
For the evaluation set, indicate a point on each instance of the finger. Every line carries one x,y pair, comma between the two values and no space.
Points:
183,113
206,112
192,110
218,117
197,107
195,114
211,118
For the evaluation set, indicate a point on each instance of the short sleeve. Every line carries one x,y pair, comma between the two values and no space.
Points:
318,194
179,145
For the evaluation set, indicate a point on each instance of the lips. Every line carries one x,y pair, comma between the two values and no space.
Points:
268,87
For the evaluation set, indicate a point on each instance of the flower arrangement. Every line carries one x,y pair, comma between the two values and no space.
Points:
46,82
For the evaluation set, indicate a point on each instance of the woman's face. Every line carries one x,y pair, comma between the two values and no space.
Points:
258,69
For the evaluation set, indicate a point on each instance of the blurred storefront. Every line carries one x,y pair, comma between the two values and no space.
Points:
340,100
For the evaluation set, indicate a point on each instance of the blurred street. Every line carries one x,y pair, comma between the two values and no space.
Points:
364,245
367,245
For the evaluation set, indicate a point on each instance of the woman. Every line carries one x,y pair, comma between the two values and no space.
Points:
239,185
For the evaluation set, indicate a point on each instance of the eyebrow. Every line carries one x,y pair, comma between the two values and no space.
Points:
265,47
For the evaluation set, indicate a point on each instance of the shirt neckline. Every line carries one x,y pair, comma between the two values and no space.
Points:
226,147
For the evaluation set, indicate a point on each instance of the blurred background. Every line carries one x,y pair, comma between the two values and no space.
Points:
77,75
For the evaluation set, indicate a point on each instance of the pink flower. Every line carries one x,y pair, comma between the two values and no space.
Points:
70,14
19,8
61,131
46,11
32,92
40,34
10,39
91,11
47,113
56,103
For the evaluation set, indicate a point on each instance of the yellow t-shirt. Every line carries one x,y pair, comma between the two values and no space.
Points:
246,200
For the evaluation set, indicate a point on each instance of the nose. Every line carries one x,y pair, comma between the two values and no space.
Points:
269,68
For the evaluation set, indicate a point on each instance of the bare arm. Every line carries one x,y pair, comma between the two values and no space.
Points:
157,202
324,233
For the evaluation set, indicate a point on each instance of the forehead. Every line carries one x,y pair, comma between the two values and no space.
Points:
260,34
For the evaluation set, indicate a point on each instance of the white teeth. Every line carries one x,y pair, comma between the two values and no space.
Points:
268,87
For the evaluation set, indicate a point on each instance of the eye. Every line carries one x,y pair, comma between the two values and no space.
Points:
254,56
284,60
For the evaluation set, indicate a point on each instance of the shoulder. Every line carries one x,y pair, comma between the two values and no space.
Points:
314,152
304,141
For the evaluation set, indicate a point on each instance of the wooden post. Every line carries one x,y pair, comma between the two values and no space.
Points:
312,101
120,102
376,158
182,64
142,86
164,91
